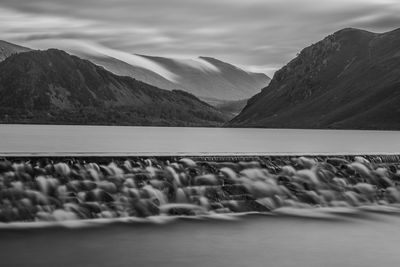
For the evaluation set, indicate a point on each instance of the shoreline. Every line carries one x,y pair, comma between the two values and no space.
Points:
218,157
313,213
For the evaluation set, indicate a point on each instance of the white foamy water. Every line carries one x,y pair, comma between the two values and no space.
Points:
367,236
63,139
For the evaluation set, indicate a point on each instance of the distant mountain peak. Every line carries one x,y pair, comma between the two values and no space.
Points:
350,30
208,77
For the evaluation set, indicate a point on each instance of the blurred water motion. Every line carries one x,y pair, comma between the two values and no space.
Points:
352,234
54,189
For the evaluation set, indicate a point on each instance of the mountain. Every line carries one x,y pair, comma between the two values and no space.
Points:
7,49
208,77
203,77
230,107
349,80
54,87
122,68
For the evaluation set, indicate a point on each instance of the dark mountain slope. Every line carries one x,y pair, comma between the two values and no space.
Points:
54,87
349,80
233,108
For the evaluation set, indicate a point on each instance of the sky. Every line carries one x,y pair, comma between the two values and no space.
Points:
258,35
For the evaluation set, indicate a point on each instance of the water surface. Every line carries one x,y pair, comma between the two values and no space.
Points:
173,140
253,241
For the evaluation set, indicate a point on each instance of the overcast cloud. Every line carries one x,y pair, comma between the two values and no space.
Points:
260,35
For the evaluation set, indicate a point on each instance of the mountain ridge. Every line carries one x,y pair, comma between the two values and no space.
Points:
54,87
197,76
348,80
216,79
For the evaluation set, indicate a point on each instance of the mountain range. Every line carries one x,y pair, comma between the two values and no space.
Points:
349,80
54,87
208,77
205,77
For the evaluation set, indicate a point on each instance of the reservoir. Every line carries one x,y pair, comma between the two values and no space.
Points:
359,239
125,140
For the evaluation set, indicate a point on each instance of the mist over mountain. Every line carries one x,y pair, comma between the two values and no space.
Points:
54,87
349,80
204,77
123,68
208,77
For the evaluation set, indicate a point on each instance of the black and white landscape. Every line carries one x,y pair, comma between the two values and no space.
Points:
55,87
349,80
199,133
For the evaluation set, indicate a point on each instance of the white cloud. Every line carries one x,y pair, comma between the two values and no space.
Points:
245,32
92,48
198,63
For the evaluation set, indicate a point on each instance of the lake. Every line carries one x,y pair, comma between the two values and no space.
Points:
257,240
124,140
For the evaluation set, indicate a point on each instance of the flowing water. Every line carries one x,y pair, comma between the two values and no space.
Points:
359,239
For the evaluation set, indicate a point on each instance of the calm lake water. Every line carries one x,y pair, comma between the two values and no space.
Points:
55,139
252,241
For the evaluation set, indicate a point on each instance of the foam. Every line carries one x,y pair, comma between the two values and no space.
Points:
317,213
158,220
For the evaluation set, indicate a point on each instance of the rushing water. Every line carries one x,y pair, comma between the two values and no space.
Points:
171,140
368,240
258,240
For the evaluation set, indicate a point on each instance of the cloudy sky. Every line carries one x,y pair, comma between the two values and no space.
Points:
260,35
